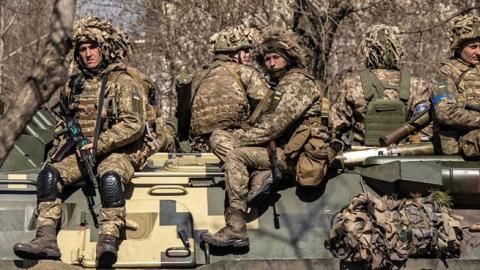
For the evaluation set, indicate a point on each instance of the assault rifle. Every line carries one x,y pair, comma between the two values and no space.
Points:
272,155
353,158
77,140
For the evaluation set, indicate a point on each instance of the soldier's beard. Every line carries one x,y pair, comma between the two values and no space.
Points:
276,73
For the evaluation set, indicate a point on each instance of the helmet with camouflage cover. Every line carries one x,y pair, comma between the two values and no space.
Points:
382,46
463,29
232,39
113,42
283,42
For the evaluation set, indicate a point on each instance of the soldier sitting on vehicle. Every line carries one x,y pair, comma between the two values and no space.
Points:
456,95
114,134
373,102
225,91
291,119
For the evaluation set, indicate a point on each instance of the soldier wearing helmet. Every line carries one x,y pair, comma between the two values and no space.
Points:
117,130
290,117
456,94
356,116
227,89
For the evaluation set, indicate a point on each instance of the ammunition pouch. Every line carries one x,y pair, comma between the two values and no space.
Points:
47,182
111,190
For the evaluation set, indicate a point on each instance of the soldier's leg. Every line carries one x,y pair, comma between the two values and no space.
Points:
222,141
49,187
469,143
115,171
238,163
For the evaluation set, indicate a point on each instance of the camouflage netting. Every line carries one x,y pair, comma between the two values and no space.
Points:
383,232
282,41
382,47
462,29
232,39
113,42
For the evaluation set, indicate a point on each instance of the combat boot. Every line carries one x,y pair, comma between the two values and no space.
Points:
234,234
261,186
106,250
42,247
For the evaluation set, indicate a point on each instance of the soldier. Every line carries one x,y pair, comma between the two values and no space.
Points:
99,49
295,107
227,89
456,95
357,117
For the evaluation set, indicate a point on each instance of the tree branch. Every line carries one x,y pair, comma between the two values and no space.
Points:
47,77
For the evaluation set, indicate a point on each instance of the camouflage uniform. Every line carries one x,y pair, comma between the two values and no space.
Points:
457,86
296,100
120,149
348,112
226,90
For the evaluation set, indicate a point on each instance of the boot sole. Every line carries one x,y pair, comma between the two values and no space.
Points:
240,243
107,259
37,256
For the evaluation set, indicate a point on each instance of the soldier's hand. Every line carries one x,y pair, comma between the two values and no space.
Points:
86,147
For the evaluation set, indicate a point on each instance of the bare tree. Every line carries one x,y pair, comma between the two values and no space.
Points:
49,75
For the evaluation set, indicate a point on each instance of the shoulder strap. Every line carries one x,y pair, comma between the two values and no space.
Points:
367,84
458,72
98,123
405,80
259,108
233,74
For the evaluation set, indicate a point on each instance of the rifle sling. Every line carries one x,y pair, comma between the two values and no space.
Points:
98,122
259,108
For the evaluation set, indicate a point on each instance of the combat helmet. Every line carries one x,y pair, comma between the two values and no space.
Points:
382,46
463,29
283,42
232,39
113,42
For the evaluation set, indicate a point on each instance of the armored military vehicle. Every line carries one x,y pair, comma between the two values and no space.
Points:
177,197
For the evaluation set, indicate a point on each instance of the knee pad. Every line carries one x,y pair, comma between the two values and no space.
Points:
47,181
111,190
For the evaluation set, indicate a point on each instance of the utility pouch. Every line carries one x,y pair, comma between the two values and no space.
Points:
297,141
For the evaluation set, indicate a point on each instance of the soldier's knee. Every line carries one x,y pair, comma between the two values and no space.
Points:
47,184
111,190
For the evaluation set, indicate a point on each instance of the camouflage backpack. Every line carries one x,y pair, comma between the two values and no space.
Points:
157,134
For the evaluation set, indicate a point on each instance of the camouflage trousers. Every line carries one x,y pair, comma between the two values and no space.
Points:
240,162
468,145
112,220
222,141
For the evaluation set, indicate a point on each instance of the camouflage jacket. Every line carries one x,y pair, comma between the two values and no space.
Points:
124,111
300,99
223,100
348,110
457,84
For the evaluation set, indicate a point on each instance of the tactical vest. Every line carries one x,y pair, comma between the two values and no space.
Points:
383,116
85,104
467,81
219,100
86,97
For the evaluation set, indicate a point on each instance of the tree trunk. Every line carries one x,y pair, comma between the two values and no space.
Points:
49,75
